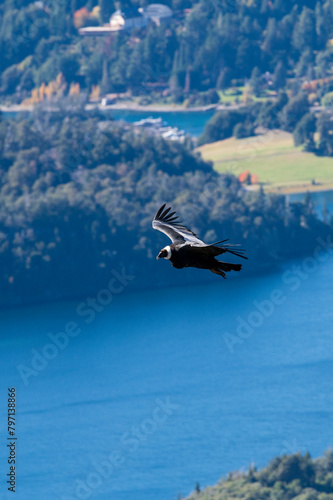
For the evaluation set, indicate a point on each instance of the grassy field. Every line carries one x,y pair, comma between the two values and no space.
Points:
273,157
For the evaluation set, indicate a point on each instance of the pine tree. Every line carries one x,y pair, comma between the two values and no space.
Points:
255,82
279,76
58,18
135,68
105,84
323,61
224,79
305,130
270,36
320,26
294,111
304,31
304,63
246,57
325,131
149,43
174,81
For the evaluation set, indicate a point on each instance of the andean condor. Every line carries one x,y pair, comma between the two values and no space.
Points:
188,251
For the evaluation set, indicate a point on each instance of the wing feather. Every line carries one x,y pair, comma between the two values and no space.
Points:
168,224
215,250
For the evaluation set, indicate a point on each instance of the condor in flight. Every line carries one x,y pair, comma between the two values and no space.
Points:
188,251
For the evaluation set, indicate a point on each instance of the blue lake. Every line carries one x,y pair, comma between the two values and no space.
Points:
320,200
164,388
192,122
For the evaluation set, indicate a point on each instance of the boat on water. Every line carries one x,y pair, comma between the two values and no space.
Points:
159,127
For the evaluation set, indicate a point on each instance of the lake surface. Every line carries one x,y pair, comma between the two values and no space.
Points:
162,384
320,199
192,122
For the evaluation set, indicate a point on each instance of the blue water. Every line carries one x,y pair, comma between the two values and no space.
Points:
268,391
192,122
320,199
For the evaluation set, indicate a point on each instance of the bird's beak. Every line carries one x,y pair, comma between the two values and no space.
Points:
158,257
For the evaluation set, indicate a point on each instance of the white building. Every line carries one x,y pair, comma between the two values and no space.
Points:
128,19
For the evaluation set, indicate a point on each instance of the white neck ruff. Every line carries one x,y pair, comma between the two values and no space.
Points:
168,249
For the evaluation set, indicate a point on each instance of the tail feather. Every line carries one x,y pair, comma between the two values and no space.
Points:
238,253
217,249
224,267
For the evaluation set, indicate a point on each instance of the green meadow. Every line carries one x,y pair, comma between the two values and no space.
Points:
274,158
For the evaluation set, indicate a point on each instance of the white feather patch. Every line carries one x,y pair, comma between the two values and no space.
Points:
168,249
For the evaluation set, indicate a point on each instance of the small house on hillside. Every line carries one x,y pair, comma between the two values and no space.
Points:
128,19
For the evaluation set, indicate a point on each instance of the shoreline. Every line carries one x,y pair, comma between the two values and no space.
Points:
300,189
16,108
153,108
129,106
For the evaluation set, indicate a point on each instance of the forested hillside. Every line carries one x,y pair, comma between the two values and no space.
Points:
209,44
78,194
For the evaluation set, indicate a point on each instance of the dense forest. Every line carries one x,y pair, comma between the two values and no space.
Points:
273,56
210,44
287,477
78,193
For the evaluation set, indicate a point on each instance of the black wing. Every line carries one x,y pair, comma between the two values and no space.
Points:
216,249
168,224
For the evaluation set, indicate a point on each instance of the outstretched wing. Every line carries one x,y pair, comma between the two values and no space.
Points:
168,224
216,249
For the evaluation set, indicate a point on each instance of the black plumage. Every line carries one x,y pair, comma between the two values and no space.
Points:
187,250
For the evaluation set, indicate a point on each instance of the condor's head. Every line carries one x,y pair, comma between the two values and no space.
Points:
165,253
